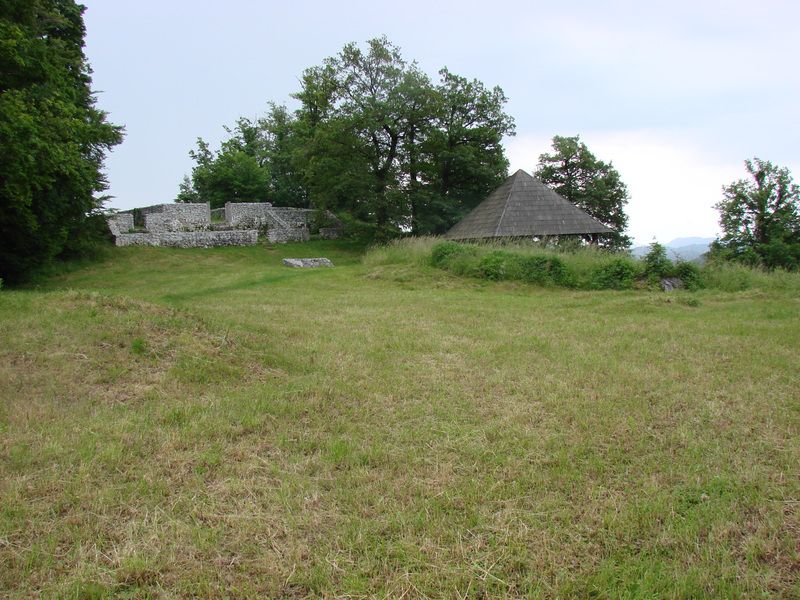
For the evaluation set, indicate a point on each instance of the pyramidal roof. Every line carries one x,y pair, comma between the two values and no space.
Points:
523,206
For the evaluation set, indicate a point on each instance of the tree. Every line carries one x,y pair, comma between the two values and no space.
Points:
759,218
54,139
254,164
373,140
591,184
467,160
233,174
427,153
285,184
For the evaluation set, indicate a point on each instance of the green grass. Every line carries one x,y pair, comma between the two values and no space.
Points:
583,268
209,423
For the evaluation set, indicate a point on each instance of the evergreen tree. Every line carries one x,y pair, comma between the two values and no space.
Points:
54,139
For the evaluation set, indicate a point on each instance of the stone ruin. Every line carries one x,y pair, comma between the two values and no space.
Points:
190,225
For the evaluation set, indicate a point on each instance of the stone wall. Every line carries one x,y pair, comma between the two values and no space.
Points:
249,214
190,239
180,216
330,233
186,225
282,224
285,234
120,223
298,217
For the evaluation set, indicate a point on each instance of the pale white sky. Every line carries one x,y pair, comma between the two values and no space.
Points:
676,94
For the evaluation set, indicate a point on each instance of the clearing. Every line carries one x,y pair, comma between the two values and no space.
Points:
210,423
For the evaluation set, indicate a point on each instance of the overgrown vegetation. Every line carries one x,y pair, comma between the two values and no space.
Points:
576,267
208,423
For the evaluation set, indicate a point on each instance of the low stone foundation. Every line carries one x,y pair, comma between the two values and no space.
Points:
307,263
281,236
187,225
190,239
330,233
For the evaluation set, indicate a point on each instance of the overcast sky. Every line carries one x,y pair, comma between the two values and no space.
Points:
676,94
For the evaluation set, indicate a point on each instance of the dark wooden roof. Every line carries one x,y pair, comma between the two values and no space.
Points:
521,207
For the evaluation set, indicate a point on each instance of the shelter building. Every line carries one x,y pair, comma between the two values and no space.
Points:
523,206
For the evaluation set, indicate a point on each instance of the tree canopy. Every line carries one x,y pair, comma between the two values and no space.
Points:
54,139
374,139
589,183
760,219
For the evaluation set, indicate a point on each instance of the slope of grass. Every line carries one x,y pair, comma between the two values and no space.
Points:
207,423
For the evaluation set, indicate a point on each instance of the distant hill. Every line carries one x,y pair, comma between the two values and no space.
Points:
684,248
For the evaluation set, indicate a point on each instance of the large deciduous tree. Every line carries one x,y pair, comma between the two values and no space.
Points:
53,137
465,147
760,218
379,143
589,183
423,154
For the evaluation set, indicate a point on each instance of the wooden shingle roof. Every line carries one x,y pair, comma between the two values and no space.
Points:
522,207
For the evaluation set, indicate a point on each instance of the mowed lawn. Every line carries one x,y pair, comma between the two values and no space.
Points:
209,423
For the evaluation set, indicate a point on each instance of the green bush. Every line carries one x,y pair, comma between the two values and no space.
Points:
656,264
582,269
442,252
496,265
539,269
617,274
689,273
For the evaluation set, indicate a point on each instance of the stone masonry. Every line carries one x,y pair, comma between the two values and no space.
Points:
186,225
178,217
120,223
190,239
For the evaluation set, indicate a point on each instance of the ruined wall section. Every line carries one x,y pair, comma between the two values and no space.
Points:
120,223
246,214
185,225
283,224
177,217
190,239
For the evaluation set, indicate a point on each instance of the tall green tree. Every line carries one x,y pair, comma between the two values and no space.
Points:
282,146
760,218
374,140
589,183
428,152
254,164
465,147
230,175
53,137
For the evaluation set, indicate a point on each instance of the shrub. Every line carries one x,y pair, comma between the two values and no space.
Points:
442,252
496,265
656,264
617,274
539,269
689,273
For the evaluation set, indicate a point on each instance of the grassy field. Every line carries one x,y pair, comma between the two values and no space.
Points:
209,423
